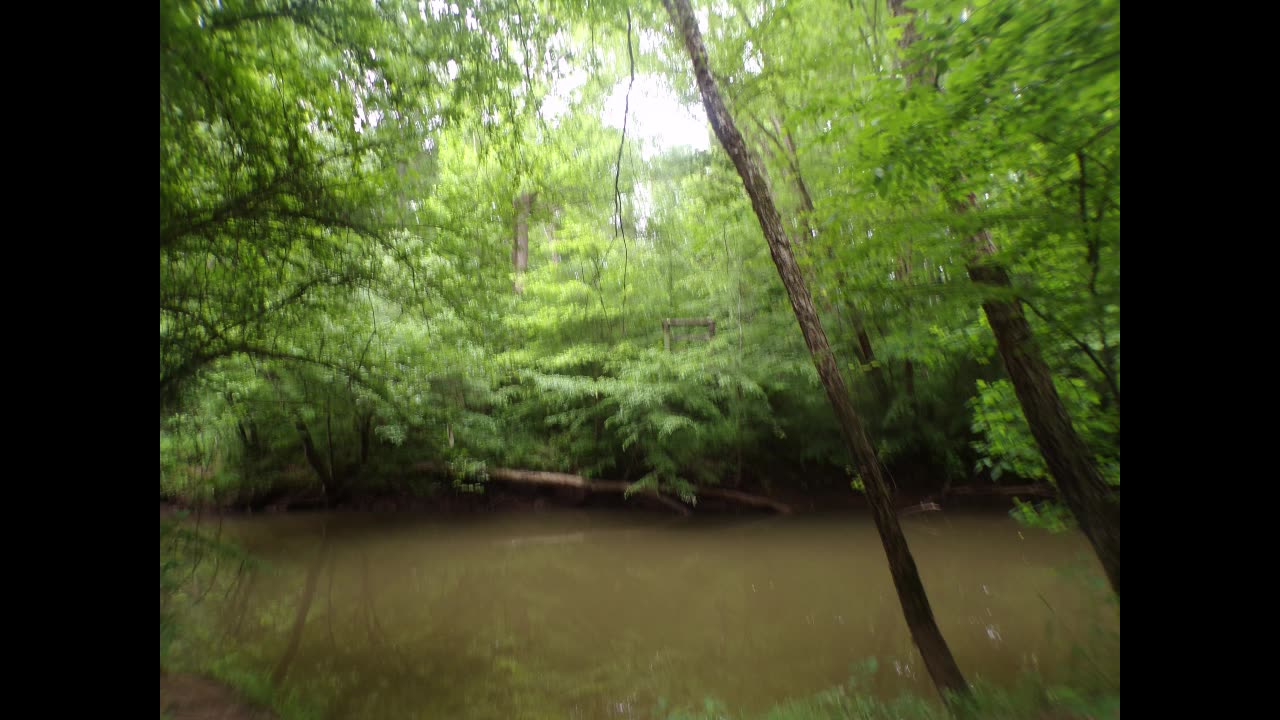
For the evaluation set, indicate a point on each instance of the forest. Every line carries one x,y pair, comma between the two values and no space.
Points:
474,312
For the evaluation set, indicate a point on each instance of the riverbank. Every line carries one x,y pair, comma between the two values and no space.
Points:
192,697
535,499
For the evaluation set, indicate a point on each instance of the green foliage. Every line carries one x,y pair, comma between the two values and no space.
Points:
1030,698
337,222
468,475
1006,445
1048,515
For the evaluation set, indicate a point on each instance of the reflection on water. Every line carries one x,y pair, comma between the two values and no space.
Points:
604,615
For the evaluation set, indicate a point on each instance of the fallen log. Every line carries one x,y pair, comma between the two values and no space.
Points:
542,477
1036,490
744,498
922,507
557,479
1044,491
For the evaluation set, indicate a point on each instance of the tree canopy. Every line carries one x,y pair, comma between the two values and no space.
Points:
396,233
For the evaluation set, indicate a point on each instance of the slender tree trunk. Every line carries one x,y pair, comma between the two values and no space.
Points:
366,437
867,356
910,371
793,159
314,459
520,244
864,351
908,367
328,440
906,577
926,71
549,230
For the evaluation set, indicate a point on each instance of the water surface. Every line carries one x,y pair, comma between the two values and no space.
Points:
608,614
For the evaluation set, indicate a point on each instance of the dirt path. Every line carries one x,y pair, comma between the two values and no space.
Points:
189,697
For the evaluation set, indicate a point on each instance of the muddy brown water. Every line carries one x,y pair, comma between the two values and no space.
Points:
602,614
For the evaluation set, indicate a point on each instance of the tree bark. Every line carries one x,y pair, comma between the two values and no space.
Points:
1069,460
906,577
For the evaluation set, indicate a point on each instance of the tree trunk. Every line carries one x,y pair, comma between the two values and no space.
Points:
366,437
864,351
867,357
906,578
328,440
1069,460
926,71
313,456
520,245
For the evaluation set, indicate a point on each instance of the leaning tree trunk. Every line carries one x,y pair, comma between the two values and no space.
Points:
1069,460
906,578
